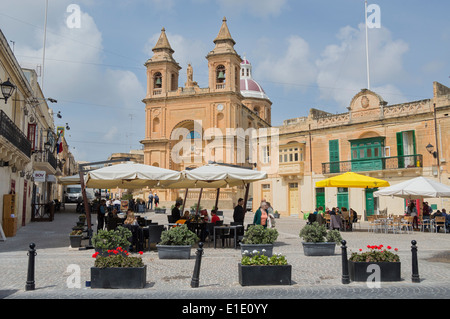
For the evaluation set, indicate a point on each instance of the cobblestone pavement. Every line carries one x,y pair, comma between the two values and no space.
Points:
313,277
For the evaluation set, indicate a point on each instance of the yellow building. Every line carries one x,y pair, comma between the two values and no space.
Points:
373,138
189,126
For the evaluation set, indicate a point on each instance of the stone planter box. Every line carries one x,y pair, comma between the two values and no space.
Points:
118,278
389,271
75,240
160,210
264,275
174,252
258,247
318,249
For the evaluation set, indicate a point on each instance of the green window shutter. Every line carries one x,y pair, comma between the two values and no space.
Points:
401,162
333,147
414,141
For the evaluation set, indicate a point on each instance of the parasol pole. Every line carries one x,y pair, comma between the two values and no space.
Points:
217,200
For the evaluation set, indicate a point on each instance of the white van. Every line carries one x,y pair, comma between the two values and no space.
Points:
73,194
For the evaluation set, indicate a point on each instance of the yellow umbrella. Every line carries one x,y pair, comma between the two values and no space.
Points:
352,180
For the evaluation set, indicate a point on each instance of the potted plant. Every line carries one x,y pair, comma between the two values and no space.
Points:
118,271
318,241
361,263
176,243
276,214
258,269
107,240
258,238
75,238
159,210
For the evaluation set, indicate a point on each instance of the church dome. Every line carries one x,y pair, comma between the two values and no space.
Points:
249,87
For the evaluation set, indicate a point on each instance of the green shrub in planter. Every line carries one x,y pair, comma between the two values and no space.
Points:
111,239
257,234
178,236
318,241
315,233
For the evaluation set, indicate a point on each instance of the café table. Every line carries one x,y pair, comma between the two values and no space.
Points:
231,228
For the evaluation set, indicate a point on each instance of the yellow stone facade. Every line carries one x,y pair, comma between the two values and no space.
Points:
198,115
373,138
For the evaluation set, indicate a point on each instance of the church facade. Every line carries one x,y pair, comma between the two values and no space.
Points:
189,126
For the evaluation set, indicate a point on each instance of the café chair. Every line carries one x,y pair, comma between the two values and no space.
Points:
154,234
439,221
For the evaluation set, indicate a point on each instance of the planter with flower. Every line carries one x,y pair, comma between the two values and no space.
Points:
318,241
176,243
104,241
75,237
385,260
258,238
257,269
118,270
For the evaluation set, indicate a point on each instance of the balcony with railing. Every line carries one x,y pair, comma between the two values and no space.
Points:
374,164
44,161
10,133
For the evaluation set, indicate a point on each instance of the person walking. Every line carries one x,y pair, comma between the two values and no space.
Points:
156,200
239,213
101,213
150,201
261,215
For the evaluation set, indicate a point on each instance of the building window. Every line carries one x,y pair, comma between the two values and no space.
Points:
291,155
265,154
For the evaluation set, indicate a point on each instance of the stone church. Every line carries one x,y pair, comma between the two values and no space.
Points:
189,126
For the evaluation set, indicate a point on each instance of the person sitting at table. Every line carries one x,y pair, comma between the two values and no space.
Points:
131,219
214,217
185,215
113,220
239,213
176,215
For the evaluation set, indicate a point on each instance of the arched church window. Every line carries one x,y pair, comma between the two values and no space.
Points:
220,74
193,135
157,80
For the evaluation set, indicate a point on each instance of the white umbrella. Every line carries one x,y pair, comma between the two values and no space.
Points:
419,187
69,180
130,175
217,176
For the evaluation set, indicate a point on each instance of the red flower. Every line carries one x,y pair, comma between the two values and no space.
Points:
95,255
140,253
360,249
389,247
396,249
368,246
115,252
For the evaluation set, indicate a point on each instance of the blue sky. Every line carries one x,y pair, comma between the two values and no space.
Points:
305,54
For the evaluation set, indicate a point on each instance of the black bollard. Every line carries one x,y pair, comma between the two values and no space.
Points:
345,275
196,275
415,265
30,276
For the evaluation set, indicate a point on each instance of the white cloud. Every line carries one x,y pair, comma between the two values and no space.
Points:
293,66
342,67
104,97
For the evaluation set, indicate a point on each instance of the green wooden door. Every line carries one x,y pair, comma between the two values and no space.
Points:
333,147
370,201
342,198
320,197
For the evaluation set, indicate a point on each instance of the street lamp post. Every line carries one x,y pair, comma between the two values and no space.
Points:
7,90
